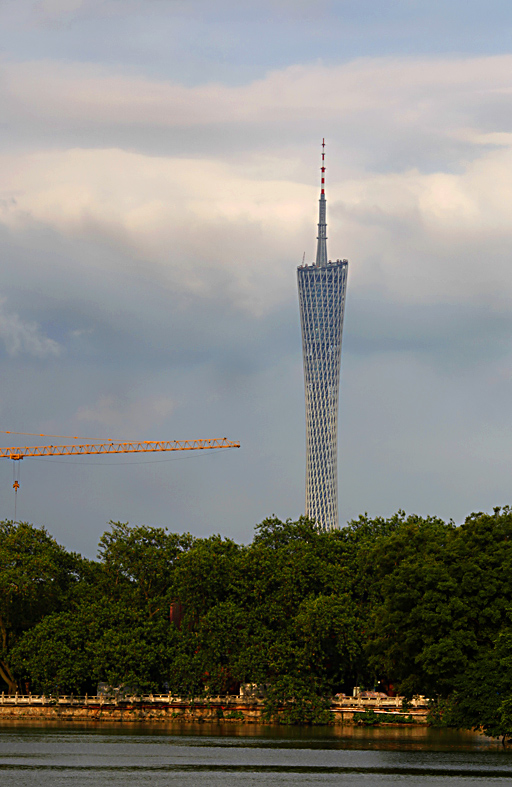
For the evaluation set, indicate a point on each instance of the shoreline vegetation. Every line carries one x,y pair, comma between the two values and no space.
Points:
404,606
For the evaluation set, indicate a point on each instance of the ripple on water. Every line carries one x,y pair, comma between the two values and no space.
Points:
224,755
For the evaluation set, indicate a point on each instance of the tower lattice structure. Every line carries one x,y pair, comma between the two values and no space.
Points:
322,289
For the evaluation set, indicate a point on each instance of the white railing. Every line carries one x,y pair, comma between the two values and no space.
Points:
361,703
113,698
75,699
380,702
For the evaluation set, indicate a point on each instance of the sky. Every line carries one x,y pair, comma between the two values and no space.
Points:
159,185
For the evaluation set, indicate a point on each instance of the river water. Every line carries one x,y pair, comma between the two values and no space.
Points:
221,755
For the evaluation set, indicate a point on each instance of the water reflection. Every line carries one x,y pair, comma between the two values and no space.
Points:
219,755
234,734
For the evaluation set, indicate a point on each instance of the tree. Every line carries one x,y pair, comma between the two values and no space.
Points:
412,601
440,596
70,652
36,578
139,563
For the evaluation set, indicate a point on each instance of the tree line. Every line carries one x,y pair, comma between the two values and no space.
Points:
407,604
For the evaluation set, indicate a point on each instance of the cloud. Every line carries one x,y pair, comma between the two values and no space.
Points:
129,419
198,226
24,338
157,228
210,230
53,10
436,94
419,173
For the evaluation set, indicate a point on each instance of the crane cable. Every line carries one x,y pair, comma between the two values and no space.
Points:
16,467
108,447
16,474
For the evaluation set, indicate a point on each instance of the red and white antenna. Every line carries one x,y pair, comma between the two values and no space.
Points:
322,168
321,248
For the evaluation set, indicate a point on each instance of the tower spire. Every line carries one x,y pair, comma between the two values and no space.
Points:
321,248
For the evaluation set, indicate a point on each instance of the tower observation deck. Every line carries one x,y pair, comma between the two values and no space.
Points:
322,289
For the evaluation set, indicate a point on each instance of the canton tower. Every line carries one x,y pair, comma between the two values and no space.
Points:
322,288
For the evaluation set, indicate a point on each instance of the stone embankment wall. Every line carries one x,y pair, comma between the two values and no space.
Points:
167,708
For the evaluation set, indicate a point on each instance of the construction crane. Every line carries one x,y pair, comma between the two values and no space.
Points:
17,453
145,446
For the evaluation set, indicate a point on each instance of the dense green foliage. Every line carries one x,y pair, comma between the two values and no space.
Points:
408,603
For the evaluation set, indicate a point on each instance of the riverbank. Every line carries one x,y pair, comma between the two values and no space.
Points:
167,708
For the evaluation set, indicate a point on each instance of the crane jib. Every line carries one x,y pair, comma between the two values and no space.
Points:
19,452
